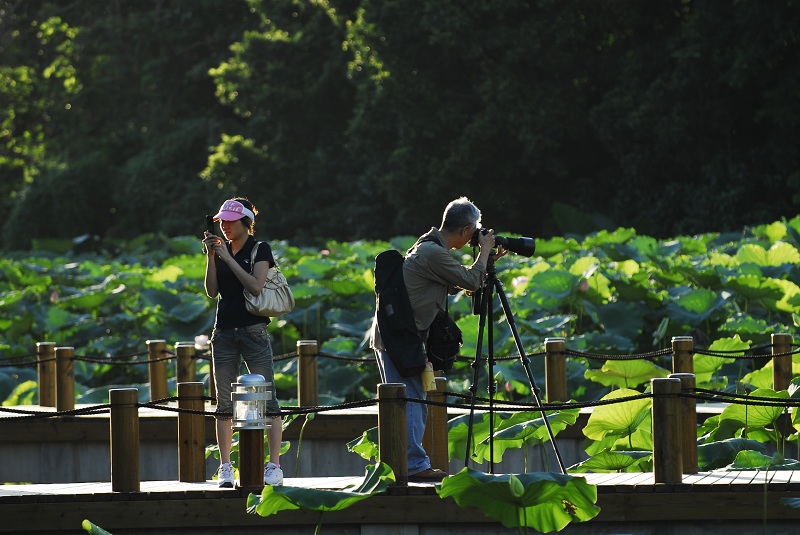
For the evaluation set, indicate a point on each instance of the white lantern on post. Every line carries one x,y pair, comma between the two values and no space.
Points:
250,394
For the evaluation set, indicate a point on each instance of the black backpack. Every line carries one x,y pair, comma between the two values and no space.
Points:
394,315
396,321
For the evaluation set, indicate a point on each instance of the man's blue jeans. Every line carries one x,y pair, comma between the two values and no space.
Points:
416,413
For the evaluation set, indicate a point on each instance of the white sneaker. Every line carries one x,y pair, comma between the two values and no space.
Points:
225,476
273,475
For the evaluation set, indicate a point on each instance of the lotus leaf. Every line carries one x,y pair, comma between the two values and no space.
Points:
548,503
617,419
272,500
614,461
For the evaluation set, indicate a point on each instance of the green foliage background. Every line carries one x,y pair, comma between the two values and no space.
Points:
614,292
361,119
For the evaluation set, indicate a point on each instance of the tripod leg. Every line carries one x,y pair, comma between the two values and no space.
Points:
526,365
484,296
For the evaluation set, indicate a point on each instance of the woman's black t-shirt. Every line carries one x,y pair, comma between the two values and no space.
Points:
231,310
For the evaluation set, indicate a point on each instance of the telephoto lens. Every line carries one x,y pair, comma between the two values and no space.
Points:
521,246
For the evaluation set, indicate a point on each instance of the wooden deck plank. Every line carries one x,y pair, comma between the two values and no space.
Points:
623,497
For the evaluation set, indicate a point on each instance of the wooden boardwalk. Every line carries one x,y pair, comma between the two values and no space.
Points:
203,508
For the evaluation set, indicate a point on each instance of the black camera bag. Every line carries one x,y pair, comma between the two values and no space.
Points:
444,341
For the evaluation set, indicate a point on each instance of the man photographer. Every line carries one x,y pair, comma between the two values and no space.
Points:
430,271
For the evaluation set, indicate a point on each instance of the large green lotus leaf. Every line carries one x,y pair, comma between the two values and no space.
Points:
458,431
617,418
555,245
614,461
773,232
744,324
753,287
597,288
274,499
789,302
762,377
604,237
345,287
29,277
544,501
515,433
753,460
720,453
602,342
191,308
694,307
640,439
780,253
366,445
752,253
167,273
9,300
625,373
705,366
753,415
309,267
550,288
622,318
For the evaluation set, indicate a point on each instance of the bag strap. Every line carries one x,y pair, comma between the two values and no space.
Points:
253,260
253,256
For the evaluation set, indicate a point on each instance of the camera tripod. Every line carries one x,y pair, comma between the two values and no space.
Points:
484,302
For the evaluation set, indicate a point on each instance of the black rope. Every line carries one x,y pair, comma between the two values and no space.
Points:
728,355
639,356
33,415
483,404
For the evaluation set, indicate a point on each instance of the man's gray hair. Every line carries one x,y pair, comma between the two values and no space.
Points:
460,213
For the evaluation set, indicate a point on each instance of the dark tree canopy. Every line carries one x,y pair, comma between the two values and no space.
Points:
352,119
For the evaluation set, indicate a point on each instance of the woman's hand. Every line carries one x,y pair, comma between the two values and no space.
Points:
211,243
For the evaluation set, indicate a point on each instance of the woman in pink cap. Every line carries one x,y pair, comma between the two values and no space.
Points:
239,335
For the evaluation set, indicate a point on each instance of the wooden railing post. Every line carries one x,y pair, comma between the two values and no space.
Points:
667,455
688,422
555,369
782,363
191,434
251,459
46,355
435,438
65,378
185,367
307,374
682,353
156,350
393,430
124,439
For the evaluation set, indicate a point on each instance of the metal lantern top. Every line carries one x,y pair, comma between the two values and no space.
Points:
250,394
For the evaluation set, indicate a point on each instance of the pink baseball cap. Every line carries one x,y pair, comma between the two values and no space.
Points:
233,211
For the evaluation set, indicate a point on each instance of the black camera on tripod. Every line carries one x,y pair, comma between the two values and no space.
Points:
521,246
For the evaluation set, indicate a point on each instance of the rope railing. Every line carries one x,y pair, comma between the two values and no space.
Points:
56,373
675,395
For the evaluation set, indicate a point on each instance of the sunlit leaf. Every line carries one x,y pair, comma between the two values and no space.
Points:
549,502
619,419
274,499
717,454
626,373
614,461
